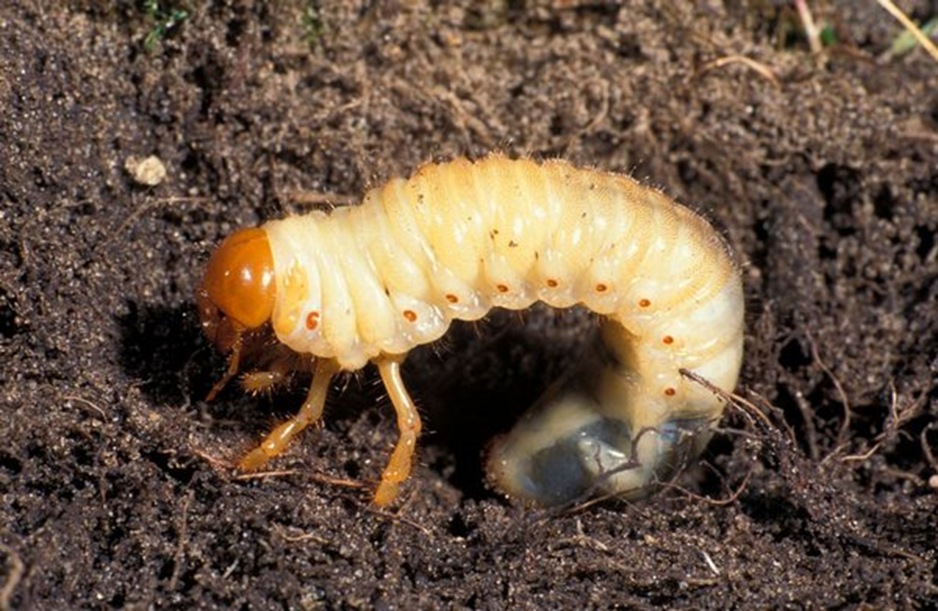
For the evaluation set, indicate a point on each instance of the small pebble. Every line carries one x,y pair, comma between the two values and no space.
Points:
149,172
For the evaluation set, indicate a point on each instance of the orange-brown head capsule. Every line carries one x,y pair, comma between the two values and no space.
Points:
238,289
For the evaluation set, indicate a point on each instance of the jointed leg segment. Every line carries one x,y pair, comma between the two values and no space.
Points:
311,411
408,423
234,362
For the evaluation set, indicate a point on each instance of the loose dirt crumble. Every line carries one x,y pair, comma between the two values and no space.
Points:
821,171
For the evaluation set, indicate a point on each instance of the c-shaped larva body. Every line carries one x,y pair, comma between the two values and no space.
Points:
371,282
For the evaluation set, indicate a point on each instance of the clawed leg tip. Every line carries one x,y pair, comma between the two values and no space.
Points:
253,461
386,493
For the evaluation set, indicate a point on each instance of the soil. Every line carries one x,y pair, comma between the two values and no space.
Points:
821,170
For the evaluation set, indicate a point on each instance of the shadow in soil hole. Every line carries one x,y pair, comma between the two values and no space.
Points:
163,347
481,381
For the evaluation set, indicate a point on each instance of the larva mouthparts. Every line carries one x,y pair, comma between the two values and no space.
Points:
371,282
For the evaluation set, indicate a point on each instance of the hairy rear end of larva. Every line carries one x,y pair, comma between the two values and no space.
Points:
369,283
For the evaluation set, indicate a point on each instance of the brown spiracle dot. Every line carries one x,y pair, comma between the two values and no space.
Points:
644,303
452,298
410,315
502,288
312,320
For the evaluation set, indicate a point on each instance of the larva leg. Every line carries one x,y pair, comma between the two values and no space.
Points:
275,365
234,362
257,382
408,423
274,373
277,441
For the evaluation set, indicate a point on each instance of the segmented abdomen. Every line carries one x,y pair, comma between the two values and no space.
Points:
456,239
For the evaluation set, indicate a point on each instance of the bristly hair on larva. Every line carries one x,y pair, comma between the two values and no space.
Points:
368,283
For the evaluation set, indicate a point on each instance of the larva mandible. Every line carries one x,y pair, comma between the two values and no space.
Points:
371,282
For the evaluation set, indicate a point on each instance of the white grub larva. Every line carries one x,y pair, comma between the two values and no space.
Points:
371,282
